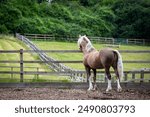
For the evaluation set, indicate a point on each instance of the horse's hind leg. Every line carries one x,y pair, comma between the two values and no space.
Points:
108,76
119,89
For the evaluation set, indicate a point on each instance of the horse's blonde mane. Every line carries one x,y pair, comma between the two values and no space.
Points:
89,47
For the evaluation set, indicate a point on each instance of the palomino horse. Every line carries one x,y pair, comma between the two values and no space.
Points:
103,59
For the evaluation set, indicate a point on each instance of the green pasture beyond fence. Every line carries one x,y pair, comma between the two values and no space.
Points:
103,40
77,73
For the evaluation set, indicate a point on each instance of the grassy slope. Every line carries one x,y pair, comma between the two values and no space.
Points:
79,56
10,43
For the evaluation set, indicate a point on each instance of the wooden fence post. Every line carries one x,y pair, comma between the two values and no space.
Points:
142,75
21,38
37,73
125,76
127,41
11,72
143,41
21,65
133,76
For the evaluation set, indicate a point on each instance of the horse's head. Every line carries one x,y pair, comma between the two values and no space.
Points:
85,44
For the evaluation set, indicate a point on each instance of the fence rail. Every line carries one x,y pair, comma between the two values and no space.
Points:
49,61
68,51
65,51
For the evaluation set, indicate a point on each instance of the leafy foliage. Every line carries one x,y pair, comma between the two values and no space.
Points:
133,18
117,18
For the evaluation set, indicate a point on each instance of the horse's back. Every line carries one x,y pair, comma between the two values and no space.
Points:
106,52
99,59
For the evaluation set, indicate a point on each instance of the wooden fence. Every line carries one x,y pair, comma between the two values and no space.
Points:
76,73
47,37
135,41
103,40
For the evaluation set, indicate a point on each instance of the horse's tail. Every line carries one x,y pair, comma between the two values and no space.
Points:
119,64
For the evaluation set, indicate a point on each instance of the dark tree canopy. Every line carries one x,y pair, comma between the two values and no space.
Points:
112,18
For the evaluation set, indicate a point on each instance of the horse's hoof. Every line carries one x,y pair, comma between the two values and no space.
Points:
119,89
89,89
108,89
95,88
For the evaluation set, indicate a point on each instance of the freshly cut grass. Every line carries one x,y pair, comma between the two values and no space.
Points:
11,43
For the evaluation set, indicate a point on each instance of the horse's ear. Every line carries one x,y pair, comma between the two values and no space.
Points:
79,36
85,35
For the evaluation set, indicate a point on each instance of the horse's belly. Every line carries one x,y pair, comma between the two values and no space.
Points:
95,65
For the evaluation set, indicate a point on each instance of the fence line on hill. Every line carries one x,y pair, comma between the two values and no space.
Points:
42,54
56,66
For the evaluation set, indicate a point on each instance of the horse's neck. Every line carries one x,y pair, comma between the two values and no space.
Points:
92,49
85,52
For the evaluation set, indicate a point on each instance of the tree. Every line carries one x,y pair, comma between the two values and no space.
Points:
132,19
9,18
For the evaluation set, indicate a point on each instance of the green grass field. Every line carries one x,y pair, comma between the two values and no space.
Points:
10,43
79,56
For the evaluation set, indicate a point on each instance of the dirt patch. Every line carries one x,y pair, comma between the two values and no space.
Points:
70,94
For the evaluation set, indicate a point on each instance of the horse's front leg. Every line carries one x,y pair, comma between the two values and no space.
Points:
89,78
94,79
